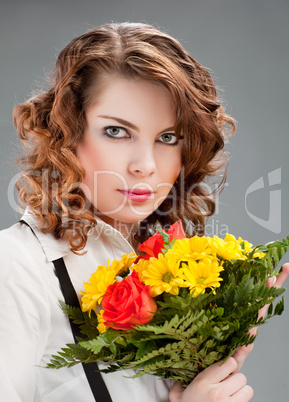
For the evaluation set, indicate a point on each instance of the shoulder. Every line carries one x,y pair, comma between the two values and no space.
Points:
22,260
18,243
24,281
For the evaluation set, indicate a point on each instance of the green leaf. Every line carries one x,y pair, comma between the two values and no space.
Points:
270,309
166,237
105,340
243,291
279,308
95,345
74,313
113,348
144,348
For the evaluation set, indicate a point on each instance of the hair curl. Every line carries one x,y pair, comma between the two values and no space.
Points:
51,125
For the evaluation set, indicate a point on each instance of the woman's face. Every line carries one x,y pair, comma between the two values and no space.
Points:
129,151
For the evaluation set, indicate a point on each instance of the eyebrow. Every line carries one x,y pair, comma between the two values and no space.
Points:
130,125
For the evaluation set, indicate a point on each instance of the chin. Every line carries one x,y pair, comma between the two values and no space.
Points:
128,218
133,219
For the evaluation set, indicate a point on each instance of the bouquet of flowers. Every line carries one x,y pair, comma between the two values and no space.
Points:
171,312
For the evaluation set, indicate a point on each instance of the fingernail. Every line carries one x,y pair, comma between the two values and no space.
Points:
273,280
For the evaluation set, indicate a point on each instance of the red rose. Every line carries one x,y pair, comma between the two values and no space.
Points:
142,257
128,303
176,231
154,244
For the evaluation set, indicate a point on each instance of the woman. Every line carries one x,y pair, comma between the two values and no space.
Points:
122,142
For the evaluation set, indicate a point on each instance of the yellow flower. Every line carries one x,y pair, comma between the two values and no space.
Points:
229,249
126,262
162,274
259,255
194,248
246,245
140,267
101,327
201,275
98,283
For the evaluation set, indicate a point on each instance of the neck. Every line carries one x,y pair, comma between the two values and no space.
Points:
127,230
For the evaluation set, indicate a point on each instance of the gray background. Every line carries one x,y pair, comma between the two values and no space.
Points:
246,46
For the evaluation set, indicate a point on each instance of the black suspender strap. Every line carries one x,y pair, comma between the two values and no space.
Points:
94,377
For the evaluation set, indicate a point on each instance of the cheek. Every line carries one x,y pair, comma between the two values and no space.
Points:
170,168
92,159
99,163
168,174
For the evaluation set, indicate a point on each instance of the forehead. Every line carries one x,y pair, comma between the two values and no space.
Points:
133,99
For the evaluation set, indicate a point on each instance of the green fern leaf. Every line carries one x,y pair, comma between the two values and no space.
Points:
74,313
243,291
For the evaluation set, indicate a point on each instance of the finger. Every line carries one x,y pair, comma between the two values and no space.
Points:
234,383
219,371
176,392
282,276
277,282
262,312
244,394
241,354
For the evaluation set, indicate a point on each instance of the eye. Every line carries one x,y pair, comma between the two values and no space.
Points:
168,138
115,132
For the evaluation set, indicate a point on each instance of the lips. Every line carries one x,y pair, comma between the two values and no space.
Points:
139,191
137,194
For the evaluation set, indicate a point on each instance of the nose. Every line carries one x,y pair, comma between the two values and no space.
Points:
143,161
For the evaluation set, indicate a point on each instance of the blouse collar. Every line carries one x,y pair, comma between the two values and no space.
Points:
58,248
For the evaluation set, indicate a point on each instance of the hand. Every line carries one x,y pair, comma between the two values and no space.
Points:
216,383
222,383
241,354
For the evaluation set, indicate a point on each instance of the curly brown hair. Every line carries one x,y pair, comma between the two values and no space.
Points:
51,125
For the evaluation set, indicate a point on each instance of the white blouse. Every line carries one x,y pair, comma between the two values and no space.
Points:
33,326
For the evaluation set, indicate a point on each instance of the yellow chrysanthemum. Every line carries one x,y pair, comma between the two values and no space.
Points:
126,262
229,248
162,274
199,276
194,248
98,283
140,267
247,247
259,254
101,327
128,259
